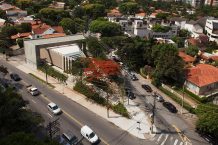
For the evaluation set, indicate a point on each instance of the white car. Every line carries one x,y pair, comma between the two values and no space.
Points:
54,108
89,134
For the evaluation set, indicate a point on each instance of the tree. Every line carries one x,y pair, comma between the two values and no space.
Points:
106,28
107,3
208,116
184,33
179,41
3,14
95,48
94,10
129,8
24,27
4,45
162,15
4,70
78,12
23,4
9,30
169,67
192,50
20,42
68,25
160,28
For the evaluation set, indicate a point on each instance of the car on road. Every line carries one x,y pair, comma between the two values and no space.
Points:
159,98
54,108
89,134
133,77
170,107
147,88
32,90
68,139
15,77
131,95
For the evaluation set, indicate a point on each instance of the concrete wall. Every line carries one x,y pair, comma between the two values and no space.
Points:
30,54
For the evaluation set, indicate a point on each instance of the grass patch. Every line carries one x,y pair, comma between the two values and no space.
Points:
41,80
121,109
178,100
142,73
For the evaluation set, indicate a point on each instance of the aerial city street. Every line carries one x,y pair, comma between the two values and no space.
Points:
108,72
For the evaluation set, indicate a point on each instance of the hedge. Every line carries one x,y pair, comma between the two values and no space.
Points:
178,100
192,95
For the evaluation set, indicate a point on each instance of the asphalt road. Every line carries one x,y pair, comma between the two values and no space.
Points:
74,115
171,125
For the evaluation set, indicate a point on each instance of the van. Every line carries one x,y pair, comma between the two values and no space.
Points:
89,134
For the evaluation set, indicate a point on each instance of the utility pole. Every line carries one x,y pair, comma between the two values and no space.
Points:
107,105
153,112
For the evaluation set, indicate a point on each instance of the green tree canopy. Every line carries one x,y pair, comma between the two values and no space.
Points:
106,28
208,116
23,4
192,50
169,67
3,14
9,30
68,25
129,8
162,15
94,10
107,3
160,28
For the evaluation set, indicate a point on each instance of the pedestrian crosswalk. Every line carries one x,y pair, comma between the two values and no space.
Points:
169,139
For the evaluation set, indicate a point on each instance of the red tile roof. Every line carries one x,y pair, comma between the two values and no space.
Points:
202,75
185,57
142,14
54,35
21,35
114,13
39,29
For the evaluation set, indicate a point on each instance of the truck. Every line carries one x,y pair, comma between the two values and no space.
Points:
32,90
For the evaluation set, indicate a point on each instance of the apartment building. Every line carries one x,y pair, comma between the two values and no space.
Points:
211,29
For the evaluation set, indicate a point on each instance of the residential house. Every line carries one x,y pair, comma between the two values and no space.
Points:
187,59
202,80
126,25
39,30
194,28
200,42
59,51
211,29
178,21
57,5
208,57
140,28
140,15
113,15
194,3
165,41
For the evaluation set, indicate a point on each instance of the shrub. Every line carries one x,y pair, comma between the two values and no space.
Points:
196,97
120,109
85,90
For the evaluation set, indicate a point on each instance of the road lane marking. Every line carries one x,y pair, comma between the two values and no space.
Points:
182,135
34,101
165,139
49,115
73,118
175,142
159,137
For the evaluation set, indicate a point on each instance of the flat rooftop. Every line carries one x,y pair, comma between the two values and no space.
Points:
55,40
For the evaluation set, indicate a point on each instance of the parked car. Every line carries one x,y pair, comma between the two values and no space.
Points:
147,88
15,77
68,139
131,95
170,107
159,98
54,108
89,134
133,77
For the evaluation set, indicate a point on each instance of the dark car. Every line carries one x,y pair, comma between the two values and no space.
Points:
15,77
68,139
170,107
131,95
147,88
133,77
159,98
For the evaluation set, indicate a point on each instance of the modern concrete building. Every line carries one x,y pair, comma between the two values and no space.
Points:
211,29
58,51
211,2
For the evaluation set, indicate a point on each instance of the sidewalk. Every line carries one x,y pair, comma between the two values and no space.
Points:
139,125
